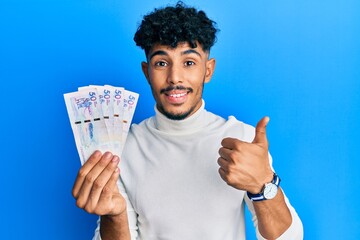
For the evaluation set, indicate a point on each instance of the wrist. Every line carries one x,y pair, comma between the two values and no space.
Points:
115,217
268,190
256,189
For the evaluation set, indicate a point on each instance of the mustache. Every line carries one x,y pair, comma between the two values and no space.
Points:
178,87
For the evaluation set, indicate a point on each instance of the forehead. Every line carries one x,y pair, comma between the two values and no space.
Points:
183,48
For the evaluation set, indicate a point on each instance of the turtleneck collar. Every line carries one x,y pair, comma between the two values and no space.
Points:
192,123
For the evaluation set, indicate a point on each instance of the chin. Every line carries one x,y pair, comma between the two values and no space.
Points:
175,115
179,116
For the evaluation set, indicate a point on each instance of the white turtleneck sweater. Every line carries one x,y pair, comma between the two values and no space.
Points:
170,180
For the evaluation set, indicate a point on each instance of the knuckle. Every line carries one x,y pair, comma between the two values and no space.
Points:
238,145
233,155
228,179
97,184
107,190
89,209
80,203
230,169
90,178
231,181
82,173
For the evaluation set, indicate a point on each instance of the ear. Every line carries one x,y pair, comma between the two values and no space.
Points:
145,69
210,68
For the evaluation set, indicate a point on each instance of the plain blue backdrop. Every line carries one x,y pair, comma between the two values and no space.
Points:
296,61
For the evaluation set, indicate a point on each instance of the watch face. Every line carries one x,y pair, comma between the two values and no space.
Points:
270,190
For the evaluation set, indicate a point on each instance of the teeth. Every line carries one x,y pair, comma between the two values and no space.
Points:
178,95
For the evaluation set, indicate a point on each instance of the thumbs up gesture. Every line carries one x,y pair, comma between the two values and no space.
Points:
245,166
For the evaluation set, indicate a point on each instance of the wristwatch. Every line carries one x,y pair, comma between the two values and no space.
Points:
269,190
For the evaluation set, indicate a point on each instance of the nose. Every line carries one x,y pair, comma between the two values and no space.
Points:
174,75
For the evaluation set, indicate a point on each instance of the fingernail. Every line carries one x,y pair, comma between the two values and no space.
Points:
115,158
108,155
97,153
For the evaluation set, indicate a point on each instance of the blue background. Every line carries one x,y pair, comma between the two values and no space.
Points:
296,61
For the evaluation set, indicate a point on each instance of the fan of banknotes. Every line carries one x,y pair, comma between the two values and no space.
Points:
100,118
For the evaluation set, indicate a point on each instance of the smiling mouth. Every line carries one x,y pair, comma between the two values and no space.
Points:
176,91
176,94
176,97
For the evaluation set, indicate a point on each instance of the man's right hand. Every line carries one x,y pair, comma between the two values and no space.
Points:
95,188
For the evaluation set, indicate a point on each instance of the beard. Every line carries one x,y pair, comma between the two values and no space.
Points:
175,116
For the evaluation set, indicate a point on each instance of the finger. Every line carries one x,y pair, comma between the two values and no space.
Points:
231,143
109,189
223,164
223,174
90,178
84,170
112,183
225,153
100,185
260,131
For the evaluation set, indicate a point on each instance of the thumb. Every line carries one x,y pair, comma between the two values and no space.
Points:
260,131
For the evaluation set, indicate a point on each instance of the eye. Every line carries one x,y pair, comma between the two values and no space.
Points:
189,63
161,64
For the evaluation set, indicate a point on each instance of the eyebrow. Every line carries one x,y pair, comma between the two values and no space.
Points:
163,53
190,51
159,52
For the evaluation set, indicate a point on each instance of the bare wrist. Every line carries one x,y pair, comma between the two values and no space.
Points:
114,218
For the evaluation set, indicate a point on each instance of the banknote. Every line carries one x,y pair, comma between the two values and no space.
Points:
100,118
118,103
87,123
105,97
130,102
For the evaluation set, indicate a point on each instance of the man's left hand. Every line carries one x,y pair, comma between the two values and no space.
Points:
244,165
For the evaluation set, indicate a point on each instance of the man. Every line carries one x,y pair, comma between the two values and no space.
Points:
185,173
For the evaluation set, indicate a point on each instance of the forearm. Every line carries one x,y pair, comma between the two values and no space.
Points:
115,227
274,217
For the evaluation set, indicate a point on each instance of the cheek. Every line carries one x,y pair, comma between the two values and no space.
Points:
196,77
197,82
157,79
155,86
155,89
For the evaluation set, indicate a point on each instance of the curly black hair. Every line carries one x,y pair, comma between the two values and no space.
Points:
173,25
